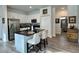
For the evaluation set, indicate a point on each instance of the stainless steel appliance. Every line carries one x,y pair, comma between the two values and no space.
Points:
13,26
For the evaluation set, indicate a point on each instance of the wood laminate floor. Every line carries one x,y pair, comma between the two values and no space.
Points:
58,44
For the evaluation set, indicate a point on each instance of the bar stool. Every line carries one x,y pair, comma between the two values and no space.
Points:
44,37
34,42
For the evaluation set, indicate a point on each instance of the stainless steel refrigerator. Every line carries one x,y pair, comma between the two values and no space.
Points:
13,26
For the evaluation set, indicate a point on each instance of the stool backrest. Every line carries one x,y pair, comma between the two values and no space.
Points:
36,38
44,34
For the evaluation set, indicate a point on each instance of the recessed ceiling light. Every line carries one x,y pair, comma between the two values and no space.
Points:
30,6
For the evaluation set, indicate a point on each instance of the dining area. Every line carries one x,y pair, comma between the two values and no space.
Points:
31,41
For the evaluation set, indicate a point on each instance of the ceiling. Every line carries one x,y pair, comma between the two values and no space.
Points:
26,7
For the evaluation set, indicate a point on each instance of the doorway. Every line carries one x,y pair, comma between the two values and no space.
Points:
64,24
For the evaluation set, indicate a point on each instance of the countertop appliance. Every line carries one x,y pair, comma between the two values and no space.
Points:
29,25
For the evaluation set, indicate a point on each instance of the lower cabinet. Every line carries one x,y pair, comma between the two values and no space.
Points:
21,42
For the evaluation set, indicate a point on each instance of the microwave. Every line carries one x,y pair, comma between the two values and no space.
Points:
34,21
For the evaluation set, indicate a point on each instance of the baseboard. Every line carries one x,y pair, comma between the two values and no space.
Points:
50,36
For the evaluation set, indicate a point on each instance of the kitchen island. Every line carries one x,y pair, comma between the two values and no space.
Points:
21,39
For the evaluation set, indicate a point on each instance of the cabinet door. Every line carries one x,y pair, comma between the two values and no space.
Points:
19,42
46,24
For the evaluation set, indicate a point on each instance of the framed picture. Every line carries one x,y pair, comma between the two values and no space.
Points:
45,11
57,20
72,19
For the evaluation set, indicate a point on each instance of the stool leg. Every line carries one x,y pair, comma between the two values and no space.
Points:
36,48
44,44
27,47
40,46
46,41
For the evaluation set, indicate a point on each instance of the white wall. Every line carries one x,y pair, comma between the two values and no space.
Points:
61,12
17,15
78,18
34,15
73,11
53,22
1,21
3,14
0,28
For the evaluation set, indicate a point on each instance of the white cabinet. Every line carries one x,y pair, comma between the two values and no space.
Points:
21,42
46,24
58,29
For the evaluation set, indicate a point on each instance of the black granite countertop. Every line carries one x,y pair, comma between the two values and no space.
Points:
29,33
25,33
